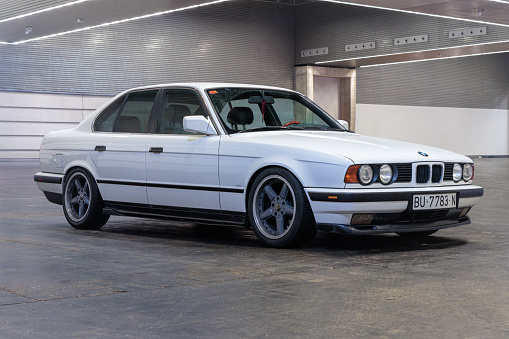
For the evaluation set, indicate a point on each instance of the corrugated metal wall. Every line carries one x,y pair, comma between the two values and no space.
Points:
332,25
242,41
473,82
246,41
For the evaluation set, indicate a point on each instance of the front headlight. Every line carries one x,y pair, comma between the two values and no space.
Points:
457,172
365,174
468,172
385,174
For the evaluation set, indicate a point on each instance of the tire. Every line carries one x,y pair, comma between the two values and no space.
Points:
416,234
279,211
82,201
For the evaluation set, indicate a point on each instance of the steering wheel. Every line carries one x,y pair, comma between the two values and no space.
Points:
292,123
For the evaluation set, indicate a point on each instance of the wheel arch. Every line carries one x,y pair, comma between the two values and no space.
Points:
256,173
82,165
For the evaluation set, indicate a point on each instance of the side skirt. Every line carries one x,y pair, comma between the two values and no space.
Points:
175,213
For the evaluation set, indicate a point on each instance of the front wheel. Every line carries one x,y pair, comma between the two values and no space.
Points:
279,211
82,202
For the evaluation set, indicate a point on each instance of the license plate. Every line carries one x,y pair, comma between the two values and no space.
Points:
433,201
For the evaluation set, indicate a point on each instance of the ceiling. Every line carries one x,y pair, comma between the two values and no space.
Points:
52,17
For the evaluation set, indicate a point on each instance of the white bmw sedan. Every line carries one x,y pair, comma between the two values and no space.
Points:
262,157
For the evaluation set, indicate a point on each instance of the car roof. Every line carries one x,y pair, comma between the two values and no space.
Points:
207,85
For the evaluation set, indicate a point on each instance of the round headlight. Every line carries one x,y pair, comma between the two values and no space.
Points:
468,171
385,174
365,174
457,172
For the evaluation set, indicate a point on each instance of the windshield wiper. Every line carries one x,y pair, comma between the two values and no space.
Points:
323,128
270,128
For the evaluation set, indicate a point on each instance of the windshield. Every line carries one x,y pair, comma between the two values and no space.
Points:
251,109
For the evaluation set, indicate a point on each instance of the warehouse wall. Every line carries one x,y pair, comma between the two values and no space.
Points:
332,25
246,42
458,104
25,117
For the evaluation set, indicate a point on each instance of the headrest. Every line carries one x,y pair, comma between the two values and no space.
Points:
199,111
240,116
176,113
128,124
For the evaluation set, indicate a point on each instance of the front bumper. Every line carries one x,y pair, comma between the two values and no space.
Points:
391,208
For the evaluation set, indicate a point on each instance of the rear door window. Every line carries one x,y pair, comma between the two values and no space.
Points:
135,113
106,120
127,115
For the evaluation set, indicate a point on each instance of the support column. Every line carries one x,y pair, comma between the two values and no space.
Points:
348,87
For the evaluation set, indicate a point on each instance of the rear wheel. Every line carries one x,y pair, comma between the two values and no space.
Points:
82,202
279,211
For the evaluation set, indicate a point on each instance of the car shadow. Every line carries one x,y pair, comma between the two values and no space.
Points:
382,243
240,236
185,231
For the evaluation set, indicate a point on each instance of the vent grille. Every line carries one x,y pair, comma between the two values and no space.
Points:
448,171
422,176
423,215
404,172
436,175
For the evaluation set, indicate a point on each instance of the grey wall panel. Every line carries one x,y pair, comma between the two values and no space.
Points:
242,41
323,24
472,82
25,117
18,114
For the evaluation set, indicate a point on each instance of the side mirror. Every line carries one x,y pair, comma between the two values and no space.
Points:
344,123
198,124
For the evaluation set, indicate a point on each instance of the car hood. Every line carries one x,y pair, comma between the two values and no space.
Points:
358,148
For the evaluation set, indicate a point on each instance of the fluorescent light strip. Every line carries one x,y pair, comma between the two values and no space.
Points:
419,13
423,50
113,23
435,59
44,10
501,1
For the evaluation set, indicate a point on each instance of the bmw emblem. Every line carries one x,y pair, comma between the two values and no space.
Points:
423,154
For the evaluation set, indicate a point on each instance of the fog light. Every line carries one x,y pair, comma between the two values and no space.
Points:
464,212
362,219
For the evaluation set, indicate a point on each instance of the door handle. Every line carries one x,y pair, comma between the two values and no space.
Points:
100,148
156,149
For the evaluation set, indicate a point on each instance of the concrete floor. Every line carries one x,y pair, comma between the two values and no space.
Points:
150,279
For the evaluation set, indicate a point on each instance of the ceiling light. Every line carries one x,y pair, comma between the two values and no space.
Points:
423,50
434,59
113,22
419,13
43,10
